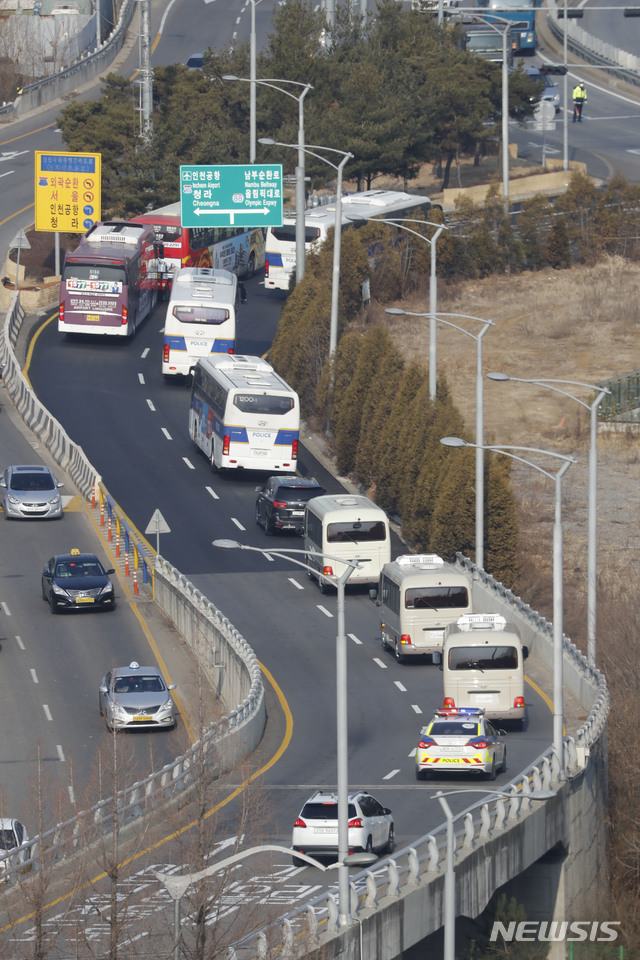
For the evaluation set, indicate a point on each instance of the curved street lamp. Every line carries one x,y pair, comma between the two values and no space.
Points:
592,492
558,666
396,311
433,283
449,911
344,906
300,171
177,885
337,231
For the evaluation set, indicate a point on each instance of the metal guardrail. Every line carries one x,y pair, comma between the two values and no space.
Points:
582,43
623,404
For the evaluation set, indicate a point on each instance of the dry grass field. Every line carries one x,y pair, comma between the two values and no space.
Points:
580,325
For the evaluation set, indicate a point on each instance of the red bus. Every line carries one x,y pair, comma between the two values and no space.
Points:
110,282
239,250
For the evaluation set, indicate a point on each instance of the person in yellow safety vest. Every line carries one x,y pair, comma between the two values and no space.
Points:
579,100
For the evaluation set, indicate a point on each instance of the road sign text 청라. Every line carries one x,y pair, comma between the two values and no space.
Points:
547,931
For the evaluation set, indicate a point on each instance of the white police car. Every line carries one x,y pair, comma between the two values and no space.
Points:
460,740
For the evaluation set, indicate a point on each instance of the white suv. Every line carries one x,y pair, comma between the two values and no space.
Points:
316,829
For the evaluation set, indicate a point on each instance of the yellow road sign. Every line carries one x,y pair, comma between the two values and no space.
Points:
67,191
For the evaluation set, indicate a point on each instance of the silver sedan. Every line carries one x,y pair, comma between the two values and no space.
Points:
30,492
136,697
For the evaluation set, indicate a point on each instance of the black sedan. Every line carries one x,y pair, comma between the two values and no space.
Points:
281,501
75,581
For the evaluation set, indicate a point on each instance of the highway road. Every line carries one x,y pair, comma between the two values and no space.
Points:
112,400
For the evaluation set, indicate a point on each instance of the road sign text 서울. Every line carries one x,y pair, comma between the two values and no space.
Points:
231,195
67,191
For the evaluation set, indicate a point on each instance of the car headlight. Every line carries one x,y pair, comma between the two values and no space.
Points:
55,500
106,589
118,711
168,705
59,590
13,500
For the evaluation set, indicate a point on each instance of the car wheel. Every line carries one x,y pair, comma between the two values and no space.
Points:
492,773
391,840
297,862
258,520
503,768
369,846
52,604
421,774
396,653
44,596
268,527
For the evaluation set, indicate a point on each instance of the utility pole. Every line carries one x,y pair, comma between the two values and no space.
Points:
146,75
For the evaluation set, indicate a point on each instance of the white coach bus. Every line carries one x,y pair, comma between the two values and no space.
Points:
243,415
200,319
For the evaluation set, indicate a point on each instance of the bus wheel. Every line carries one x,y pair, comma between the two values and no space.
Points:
397,654
214,469
322,587
251,267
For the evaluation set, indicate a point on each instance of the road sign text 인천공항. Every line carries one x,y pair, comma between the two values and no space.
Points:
231,195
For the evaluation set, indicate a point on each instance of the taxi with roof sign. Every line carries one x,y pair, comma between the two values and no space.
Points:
77,581
460,740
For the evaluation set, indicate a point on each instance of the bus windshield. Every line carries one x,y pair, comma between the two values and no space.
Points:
200,314
360,530
483,658
436,598
94,271
263,403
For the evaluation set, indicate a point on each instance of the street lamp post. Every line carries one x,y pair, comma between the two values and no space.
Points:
177,885
449,876
558,678
344,906
433,285
479,434
337,234
300,169
592,493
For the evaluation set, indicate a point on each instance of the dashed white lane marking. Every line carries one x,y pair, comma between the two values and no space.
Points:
5,608
416,708
141,380
151,406
211,491
380,663
297,585
145,353
413,752
238,524
61,756
391,774
401,687
188,463
34,675
326,612
47,712
20,643
353,637
167,434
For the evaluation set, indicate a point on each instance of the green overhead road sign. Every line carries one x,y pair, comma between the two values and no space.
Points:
231,195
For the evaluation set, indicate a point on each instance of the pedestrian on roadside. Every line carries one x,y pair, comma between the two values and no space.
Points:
579,100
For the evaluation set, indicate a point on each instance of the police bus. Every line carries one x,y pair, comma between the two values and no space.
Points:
243,415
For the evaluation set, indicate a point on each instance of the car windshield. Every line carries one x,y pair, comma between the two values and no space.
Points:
137,684
7,840
32,481
324,811
79,568
453,728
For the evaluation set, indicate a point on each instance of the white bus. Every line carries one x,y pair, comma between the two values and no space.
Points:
280,243
418,596
345,527
243,415
200,320
483,666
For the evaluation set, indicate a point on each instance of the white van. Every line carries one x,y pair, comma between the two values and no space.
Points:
345,527
200,320
418,596
483,666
